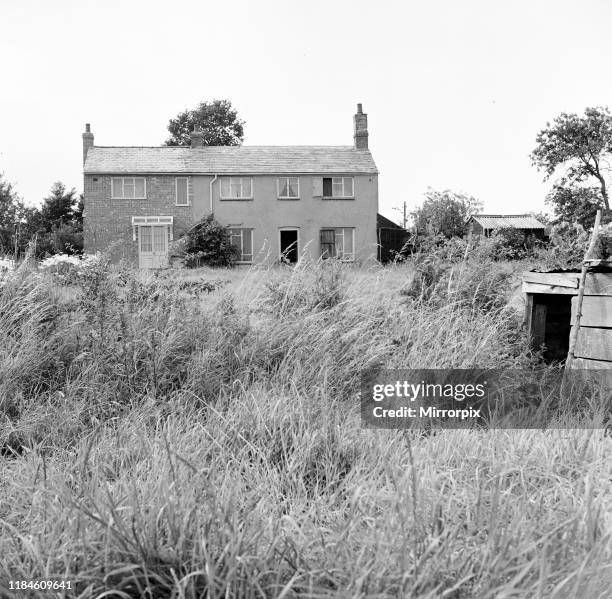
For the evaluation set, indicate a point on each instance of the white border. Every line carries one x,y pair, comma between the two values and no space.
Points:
280,254
114,197
279,196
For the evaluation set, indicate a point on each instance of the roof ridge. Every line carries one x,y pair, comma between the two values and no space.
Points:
346,147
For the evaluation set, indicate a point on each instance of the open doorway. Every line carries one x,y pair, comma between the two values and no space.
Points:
289,245
550,324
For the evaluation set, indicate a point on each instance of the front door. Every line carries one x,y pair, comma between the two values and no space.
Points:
289,245
152,246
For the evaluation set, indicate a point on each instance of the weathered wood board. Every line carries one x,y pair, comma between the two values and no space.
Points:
594,344
596,311
585,364
555,289
596,283
552,278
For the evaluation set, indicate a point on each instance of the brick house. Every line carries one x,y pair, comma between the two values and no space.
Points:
279,202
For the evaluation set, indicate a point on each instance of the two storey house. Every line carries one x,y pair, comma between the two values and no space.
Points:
279,202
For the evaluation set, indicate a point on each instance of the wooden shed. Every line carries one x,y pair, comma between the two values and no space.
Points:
550,314
392,239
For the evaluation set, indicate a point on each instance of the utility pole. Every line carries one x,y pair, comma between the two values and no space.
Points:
404,224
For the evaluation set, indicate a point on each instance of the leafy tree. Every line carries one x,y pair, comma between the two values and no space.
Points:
208,243
575,204
217,120
59,207
444,212
580,144
15,219
59,222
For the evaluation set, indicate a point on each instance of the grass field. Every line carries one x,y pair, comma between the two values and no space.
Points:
198,435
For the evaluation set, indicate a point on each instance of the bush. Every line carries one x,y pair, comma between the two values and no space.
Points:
567,246
208,243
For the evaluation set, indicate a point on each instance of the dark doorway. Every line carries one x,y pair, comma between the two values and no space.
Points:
289,245
550,324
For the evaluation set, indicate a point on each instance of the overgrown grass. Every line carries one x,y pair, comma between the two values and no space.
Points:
204,440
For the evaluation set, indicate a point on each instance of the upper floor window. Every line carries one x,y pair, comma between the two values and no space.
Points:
182,191
236,188
129,188
288,188
243,240
338,187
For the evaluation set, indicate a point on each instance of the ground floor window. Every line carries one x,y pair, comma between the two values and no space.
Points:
338,243
243,240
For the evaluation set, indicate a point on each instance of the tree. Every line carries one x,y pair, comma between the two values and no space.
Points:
14,219
444,212
581,144
59,207
575,204
59,222
217,120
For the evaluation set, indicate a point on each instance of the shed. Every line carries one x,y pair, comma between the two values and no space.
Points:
551,312
485,224
392,239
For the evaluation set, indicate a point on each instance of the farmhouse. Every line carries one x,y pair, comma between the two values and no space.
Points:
485,224
280,202
551,313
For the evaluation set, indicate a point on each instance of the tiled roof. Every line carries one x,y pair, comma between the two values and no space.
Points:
515,221
255,160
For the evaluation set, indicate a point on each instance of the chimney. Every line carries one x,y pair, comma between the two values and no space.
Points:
360,121
197,138
88,141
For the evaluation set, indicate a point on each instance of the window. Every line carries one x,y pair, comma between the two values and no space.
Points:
338,243
338,187
288,188
133,188
236,188
182,191
243,240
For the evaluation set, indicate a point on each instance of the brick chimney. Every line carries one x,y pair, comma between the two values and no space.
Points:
197,138
88,141
360,121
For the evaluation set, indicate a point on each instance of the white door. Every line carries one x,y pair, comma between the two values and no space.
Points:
152,246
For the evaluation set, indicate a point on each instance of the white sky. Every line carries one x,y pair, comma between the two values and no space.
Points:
455,91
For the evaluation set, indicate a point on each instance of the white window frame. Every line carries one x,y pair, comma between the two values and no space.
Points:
344,196
166,221
280,253
188,183
243,231
123,196
352,230
230,180
340,232
278,188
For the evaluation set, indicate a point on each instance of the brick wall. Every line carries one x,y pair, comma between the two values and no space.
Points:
107,222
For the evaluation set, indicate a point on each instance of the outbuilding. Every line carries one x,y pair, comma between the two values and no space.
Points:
551,312
486,224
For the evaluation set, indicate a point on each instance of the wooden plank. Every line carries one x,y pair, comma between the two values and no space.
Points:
586,364
538,326
594,343
554,289
560,279
596,311
598,283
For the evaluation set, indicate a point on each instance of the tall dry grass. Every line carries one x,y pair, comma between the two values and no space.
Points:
203,440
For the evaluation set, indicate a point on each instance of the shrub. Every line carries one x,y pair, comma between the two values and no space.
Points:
567,246
208,243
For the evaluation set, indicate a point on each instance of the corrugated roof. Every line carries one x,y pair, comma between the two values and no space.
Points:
515,221
254,160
